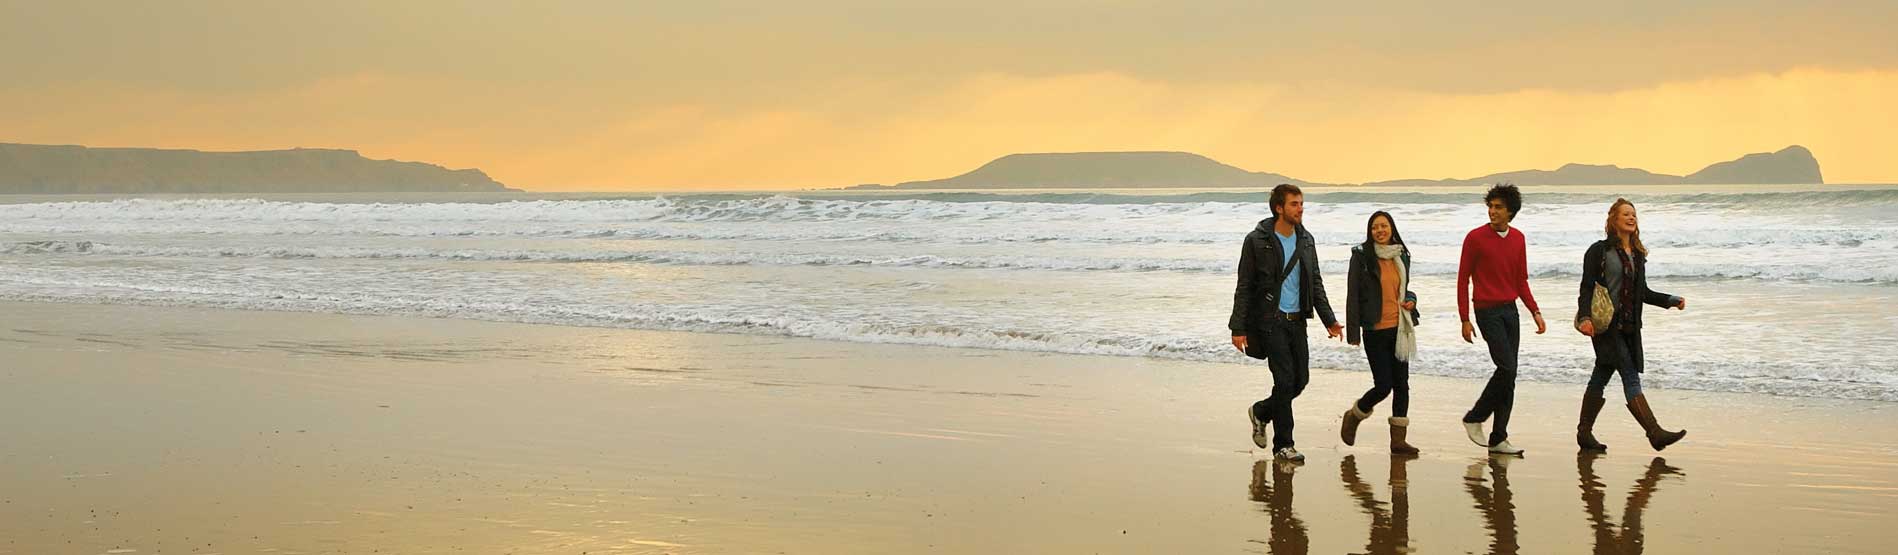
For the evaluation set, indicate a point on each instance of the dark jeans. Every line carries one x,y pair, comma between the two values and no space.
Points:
1617,350
1287,353
1389,376
1501,328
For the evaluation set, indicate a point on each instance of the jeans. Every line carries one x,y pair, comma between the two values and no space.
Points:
1389,376
1501,328
1617,351
1288,355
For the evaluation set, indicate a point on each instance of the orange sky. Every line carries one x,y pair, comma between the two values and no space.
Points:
732,95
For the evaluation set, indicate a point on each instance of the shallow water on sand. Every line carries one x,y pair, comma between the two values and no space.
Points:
174,430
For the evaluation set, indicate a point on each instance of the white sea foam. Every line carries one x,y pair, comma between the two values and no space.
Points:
1122,275
1541,270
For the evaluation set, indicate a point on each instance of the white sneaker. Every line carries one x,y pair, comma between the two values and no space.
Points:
1504,448
1475,431
1289,454
1258,430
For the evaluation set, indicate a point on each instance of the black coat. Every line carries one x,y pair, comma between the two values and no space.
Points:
1364,292
1257,293
1594,275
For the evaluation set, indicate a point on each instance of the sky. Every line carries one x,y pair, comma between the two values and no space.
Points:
723,95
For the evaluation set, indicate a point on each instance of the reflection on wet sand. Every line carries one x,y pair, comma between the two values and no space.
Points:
1390,523
1628,539
1494,502
1289,534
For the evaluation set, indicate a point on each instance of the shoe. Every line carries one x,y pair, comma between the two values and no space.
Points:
1349,431
1399,428
1288,454
1504,448
1475,431
1258,430
1658,438
1585,427
1499,466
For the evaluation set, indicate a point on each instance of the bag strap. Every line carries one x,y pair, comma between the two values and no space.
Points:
1286,273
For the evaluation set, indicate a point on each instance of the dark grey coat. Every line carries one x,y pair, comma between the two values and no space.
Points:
1594,274
1256,294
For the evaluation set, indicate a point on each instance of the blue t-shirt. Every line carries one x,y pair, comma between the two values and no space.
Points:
1288,294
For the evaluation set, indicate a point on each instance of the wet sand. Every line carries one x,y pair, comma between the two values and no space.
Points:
167,430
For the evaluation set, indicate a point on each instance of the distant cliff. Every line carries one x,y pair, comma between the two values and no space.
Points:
1791,165
1103,169
78,169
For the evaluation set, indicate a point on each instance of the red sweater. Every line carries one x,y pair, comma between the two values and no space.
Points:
1500,267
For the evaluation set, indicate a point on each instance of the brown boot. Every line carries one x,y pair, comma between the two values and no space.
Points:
1657,438
1399,428
1349,431
1585,429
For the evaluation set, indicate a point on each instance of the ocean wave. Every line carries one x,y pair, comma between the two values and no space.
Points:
788,219
1094,209
693,258
1862,274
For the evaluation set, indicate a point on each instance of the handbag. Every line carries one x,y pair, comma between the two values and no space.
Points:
1601,309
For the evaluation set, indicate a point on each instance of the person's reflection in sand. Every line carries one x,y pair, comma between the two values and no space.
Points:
1390,524
1288,532
1499,511
1628,539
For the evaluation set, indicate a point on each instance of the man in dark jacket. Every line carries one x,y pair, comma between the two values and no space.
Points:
1279,287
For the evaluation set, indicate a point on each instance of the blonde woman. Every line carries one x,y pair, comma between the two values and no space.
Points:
1619,264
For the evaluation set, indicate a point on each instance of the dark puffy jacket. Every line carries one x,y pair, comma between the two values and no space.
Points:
1364,293
1594,265
1259,268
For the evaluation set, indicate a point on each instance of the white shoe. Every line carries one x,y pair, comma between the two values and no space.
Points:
1289,454
1475,431
1475,434
1258,430
1504,448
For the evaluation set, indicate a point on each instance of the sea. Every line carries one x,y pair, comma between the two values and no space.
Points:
1791,290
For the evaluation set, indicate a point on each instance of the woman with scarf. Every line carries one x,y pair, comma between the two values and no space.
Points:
1381,314
1618,265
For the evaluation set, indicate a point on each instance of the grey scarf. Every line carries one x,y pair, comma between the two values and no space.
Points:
1406,325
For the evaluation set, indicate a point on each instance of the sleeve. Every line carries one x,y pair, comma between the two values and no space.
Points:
1319,301
1352,282
1411,296
1591,267
1242,292
1464,266
1522,271
1653,297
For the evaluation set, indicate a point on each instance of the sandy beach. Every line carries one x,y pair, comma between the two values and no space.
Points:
174,430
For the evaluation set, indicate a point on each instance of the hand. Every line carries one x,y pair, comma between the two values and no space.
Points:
1239,342
1335,331
1587,327
1681,305
1541,326
1468,331
1410,305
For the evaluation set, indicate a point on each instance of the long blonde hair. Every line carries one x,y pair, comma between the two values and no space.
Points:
1634,238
